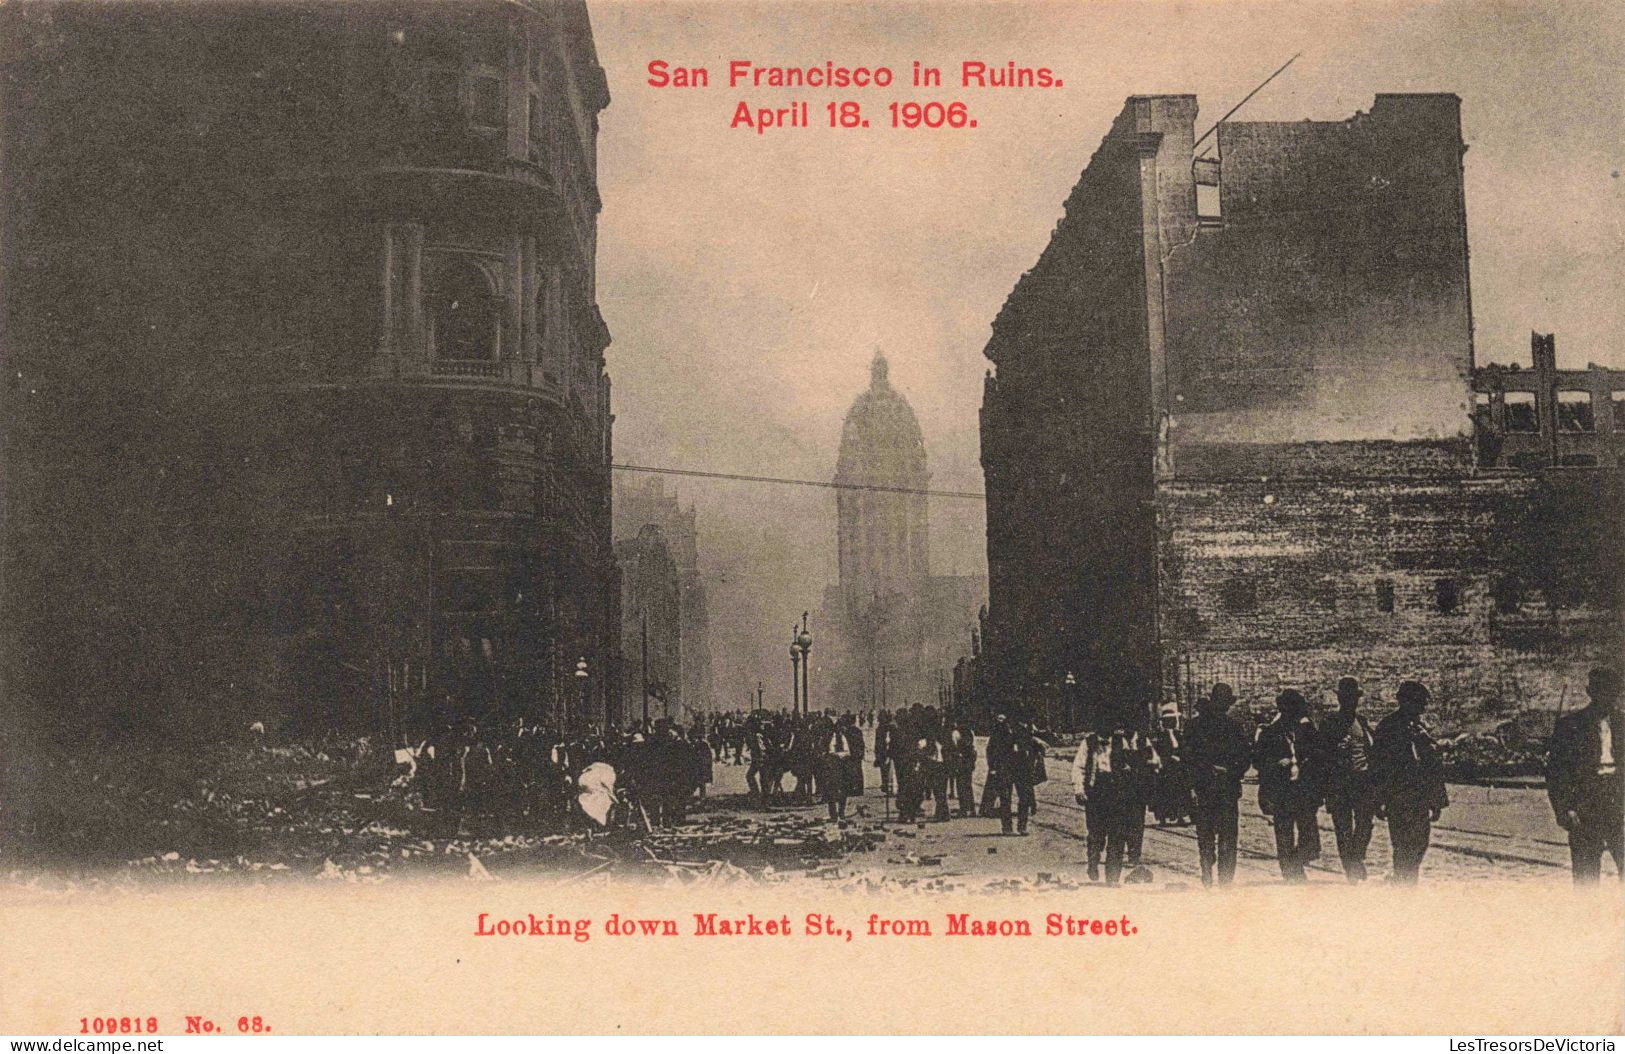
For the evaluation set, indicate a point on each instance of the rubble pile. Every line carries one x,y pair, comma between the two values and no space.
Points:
1516,747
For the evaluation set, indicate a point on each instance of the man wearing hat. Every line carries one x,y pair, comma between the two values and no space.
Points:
1290,788
1350,794
1585,780
1107,780
1171,797
1218,752
997,788
1409,779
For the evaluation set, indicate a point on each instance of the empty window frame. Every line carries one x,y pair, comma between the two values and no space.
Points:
1325,594
1508,594
440,91
486,104
464,313
1446,596
1207,203
1239,596
1385,595
1521,413
1574,412
1617,399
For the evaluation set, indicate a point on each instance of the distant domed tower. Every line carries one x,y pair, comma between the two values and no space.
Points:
877,610
883,535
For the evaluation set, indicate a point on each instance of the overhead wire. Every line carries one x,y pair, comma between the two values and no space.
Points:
827,484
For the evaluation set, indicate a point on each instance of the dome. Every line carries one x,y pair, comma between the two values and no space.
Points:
881,441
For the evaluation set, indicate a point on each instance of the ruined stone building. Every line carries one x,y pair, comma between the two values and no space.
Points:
1545,417
309,403
895,629
652,626
1230,433
646,502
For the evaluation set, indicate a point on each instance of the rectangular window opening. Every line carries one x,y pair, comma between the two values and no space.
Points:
1207,202
1385,595
487,109
1508,596
1522,414
1574,413
1239,596
1446,596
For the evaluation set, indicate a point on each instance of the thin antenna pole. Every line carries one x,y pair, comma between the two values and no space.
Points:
1244,101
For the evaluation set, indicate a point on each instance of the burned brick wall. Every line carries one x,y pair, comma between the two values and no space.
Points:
1328,300
1497,592
1068,423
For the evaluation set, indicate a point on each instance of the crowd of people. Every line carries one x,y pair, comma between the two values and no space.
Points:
533,774
1180,772
1358,773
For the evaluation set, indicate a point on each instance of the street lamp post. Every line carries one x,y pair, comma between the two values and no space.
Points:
804,642
645,616
795,672
581,678
1071,702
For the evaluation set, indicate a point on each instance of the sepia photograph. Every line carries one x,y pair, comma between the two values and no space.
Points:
684,509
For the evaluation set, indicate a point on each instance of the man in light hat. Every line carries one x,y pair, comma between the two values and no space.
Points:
1410,780
1350,794
1218,751
1585,779
1171,794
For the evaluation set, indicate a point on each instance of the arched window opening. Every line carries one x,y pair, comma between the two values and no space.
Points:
464,314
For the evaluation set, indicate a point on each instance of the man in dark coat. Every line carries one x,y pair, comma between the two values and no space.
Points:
1289,783
1218,752
1025,770
700,751
836,750
1410,780
854,763
885,732
996,793
903,749
1584,778
756,735
1351,797
933,756
1108,780
964,766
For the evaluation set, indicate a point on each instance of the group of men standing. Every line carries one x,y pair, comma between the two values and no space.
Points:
823,753
926,757
1359,774
1392,773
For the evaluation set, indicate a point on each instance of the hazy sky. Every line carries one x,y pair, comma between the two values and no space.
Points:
748,279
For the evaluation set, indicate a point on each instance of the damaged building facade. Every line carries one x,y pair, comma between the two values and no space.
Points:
1230,433
648,503
311,416
651,629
